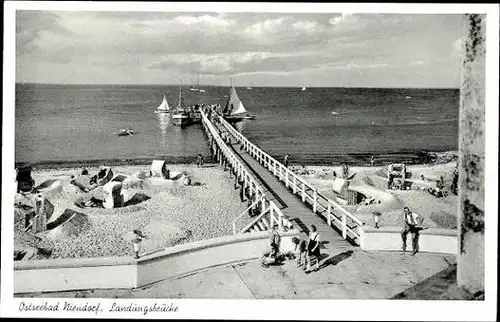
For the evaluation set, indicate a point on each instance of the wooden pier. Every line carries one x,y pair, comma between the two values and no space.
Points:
299,203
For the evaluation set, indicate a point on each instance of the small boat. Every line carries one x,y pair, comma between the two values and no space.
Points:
194,112
303,88
235,111
126,132
334,113
164,107
201,91
248,87
407,97
196,89
181,117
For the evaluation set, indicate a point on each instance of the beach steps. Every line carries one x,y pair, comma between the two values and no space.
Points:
264,224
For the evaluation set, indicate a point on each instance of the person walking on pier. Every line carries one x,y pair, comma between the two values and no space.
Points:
199,161
286,160
313,249
413,224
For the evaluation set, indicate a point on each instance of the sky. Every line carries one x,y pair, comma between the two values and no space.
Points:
256,49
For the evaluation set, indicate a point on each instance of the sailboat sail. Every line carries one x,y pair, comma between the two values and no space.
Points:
234,106
164,105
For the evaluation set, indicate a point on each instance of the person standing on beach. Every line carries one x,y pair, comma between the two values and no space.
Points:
274,243
313,249
372,160
285,160
454,184
300,249
413,224
138,237
390,181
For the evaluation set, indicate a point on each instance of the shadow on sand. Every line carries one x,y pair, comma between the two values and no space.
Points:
136,199
334,260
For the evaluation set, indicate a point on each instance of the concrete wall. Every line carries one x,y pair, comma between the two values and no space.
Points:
434,240
470,270
126,272
179,260
74,274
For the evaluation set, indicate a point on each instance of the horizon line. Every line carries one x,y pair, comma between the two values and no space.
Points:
199,85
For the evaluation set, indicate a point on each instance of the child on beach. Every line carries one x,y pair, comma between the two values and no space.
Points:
138,237
300,250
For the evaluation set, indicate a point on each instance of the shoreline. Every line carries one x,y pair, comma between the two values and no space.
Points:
351,159
95,163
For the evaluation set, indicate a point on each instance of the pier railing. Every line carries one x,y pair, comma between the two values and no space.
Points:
336,215
250,185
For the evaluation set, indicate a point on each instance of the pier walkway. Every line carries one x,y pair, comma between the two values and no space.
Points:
299,213
300,203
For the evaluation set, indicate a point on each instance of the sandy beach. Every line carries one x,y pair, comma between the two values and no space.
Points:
177,213
173,214
437,212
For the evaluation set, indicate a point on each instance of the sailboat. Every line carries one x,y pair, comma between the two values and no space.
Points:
164,107
181,116
196,89
303,88
235,111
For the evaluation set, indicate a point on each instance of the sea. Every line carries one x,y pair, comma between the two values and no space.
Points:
60,124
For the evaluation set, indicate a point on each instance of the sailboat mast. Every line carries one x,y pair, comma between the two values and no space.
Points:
179,106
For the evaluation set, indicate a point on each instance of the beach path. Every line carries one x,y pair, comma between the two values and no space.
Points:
299,213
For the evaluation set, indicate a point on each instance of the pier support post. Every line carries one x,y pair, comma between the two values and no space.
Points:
294,184
242,194
286,178
303,192
344,226
243,188
315,200
470,266
328,215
